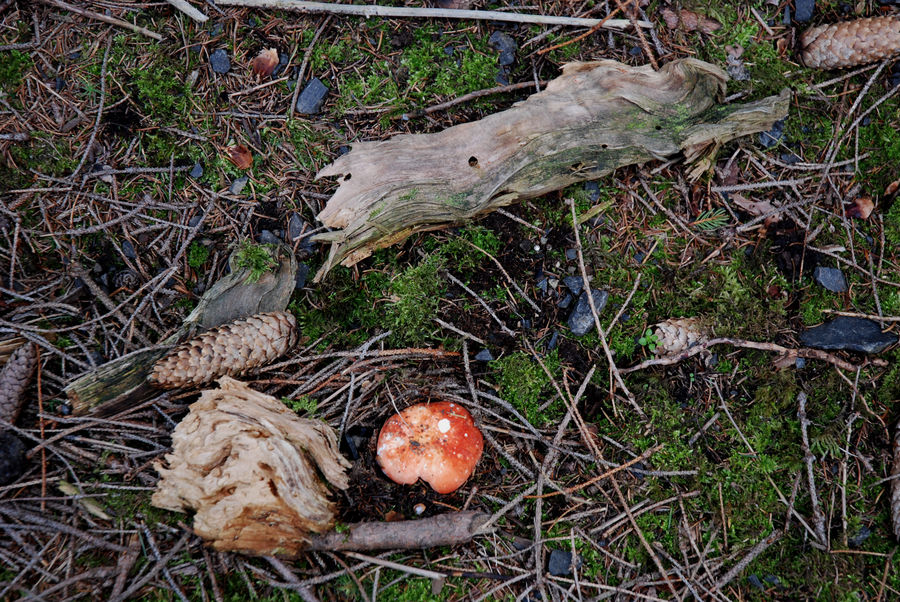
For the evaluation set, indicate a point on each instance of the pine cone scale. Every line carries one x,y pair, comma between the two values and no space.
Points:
850,43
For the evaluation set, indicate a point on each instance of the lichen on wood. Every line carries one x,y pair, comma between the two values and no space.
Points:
595,117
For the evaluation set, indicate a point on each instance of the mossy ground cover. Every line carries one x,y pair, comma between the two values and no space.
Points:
729,461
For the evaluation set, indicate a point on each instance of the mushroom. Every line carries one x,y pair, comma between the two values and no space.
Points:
437,442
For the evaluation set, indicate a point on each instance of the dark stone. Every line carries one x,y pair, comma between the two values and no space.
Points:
773,136
635,51
772,580
554,341
560,564
542,284
831,279
196,171
803,10
267,238
566,301
800,363
593,191
220,62
571,254
312,97
216,29
502,77
12,457
194,221
302,275
574,284
581,320
282,63
756,581
128,250
296,226
850,334
789,158
787,16
484,356
238,185
506,45
59,84
861,536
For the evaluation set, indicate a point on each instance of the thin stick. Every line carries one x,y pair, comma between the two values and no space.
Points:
373,10
189,10
808,459
476,94
101,17
605,475
758,549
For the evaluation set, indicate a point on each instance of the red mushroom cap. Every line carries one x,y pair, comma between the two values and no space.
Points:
437,442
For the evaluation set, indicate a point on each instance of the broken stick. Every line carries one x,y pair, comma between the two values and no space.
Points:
441,530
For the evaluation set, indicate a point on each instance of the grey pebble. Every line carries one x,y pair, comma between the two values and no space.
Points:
313,96
220,62
850,334
238,185
581,320
831,279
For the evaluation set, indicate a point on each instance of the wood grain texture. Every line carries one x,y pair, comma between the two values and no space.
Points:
595,117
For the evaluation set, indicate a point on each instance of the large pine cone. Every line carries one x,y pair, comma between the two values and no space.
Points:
850,43
678,334
14,378
228,350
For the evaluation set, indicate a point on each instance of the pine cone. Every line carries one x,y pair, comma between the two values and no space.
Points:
850,43
677,334
228,350
14,377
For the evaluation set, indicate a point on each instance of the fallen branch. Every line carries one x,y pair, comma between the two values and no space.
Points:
592,119
442,530
374,10
806,353
189,10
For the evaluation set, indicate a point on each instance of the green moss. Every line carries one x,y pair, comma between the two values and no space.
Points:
197,255
258,259
161,91
526,386
13,66
416,293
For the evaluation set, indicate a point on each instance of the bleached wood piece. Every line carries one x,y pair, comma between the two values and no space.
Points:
189,10
595,117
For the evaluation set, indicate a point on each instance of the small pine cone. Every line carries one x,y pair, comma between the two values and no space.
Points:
14,377
677,334
228,350
850,43
126,278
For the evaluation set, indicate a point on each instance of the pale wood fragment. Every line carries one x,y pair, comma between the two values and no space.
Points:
595,117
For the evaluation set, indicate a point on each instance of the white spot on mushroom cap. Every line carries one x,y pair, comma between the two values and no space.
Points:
443,425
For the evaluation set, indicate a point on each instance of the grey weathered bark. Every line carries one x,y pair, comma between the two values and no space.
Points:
592,119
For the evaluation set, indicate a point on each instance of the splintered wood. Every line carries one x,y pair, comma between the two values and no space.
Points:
595,117
251,468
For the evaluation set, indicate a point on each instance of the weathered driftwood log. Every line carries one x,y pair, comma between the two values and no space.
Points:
592,119
442,530
122,383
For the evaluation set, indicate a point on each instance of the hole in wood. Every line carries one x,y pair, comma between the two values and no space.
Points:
473,161
348,176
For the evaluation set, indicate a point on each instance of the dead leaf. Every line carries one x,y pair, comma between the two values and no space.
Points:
240,155
754,208
860,208
265,62
690,21
892,188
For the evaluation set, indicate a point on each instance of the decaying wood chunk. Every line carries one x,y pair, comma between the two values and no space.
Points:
592,119
228,350
14,378
250,469
850,43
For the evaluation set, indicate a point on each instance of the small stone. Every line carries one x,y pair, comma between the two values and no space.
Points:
267,238
217,28
571,254
238,185
861,536
831,279
484,356
581,320
566,301
282,63
800,363
635,51
59,84
296,226
302,275
772,580
312,97
502,77
12,457
850,334
554,341
574,284
542,284
128,250
506,45
194,221
560,564
593,191
756,582
803,10
773,136
220,62
196,170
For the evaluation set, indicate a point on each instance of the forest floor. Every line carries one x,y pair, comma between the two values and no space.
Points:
113,158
